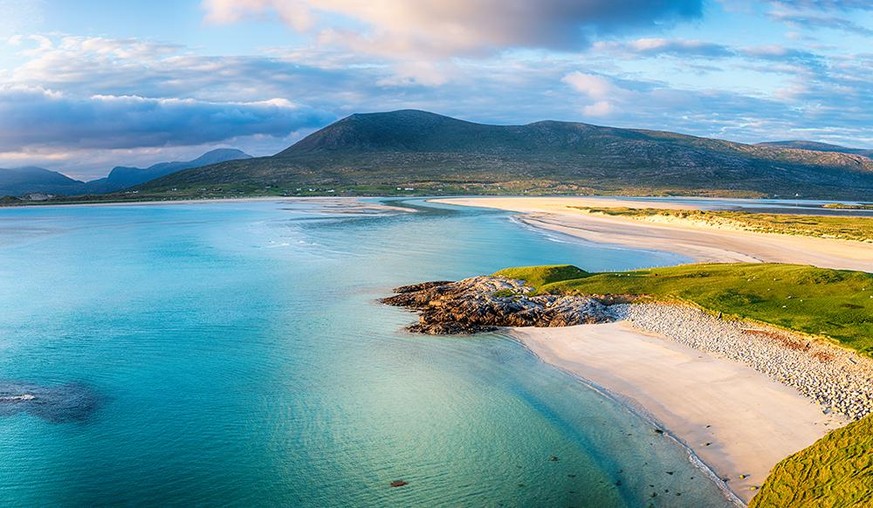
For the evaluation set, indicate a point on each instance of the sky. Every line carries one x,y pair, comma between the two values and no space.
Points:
87,85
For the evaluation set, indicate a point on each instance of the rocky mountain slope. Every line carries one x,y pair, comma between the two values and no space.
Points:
122,177
376,153
818,147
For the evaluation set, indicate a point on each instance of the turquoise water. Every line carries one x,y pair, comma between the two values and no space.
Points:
235,354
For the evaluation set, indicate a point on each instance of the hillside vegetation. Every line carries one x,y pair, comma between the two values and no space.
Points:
819,147
415,152
836,471
845,228
18,181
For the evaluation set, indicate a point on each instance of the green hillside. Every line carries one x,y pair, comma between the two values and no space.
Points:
836,471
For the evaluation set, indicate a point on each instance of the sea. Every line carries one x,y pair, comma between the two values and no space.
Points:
236,354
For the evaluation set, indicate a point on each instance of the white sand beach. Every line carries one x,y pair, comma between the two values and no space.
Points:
738,421
702,243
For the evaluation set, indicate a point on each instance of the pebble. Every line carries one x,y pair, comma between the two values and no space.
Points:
838,379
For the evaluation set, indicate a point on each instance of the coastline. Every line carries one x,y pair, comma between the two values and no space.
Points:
738,417
339,204
729,416
701,243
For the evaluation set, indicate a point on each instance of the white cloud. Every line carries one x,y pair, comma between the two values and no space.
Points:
294,13
595,87
600,92
599,108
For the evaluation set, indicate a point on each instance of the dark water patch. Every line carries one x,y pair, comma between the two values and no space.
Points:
67,403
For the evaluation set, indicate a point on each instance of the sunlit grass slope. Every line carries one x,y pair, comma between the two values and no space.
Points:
836,471
832,303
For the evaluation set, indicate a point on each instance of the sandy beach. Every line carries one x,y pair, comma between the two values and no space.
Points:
701,243
738,421
735,418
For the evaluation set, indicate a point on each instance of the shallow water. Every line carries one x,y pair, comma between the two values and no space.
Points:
234,353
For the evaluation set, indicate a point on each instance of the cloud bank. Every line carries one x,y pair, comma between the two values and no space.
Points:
47,118
458,27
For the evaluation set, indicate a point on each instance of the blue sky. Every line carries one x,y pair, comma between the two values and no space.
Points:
91,84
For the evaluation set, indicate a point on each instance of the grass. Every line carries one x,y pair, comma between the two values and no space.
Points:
832,303
539,276
843,206
836,471
845,228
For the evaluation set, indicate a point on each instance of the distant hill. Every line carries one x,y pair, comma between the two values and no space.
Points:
122,177
432,154
819,147
33,180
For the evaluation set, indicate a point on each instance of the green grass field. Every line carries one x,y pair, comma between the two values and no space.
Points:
833,303
836,471
844,228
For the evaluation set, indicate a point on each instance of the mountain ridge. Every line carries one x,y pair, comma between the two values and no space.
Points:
35,180
122,177
374,153
818,147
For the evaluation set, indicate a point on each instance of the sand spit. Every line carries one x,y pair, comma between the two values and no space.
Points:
701,242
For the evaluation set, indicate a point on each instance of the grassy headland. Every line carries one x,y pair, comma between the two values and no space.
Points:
841,227
831,303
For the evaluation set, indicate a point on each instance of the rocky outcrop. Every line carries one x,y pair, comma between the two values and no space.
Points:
480,304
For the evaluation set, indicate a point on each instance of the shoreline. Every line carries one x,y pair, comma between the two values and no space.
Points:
701,243
727,415
740,396
737,415
633,407
344,204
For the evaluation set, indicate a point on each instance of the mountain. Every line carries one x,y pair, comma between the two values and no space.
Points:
377,153
122,177
819,147
33,180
